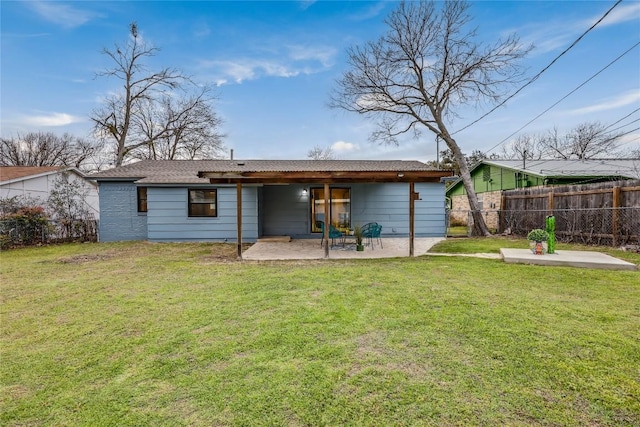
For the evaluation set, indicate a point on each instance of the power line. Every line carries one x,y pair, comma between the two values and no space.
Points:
630,141
534,78
618,121
565,97
620,127
622,134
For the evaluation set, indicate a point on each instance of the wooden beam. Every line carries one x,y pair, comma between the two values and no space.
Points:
412,202
322,177
327,220
239,217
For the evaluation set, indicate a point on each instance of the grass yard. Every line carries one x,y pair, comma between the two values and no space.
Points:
131,334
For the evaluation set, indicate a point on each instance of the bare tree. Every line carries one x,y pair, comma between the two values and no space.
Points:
180,128
47,149
590,140
585,141
425,66
448,161
524,147
154,106
319,153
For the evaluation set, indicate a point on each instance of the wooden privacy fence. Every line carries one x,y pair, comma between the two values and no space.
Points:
603,213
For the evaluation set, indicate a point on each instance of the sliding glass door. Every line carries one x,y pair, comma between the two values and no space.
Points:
339,203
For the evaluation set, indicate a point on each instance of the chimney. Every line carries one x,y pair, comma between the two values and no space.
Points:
232,154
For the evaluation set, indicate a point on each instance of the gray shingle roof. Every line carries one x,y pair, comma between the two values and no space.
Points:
629,168
186,171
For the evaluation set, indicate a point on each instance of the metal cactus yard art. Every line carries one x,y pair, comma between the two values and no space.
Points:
551,231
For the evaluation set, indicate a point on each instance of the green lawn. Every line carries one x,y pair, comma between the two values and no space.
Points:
137,334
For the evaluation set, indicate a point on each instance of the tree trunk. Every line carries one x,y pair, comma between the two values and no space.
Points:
479,225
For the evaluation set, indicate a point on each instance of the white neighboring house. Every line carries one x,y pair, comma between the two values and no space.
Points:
38,181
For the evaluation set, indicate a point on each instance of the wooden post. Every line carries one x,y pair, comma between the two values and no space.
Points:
412,200
327,220
503,205
615,205
239,218
550,203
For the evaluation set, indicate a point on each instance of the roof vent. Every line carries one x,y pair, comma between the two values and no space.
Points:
240,163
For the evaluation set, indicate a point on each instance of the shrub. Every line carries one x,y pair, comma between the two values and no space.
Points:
538,235
22,223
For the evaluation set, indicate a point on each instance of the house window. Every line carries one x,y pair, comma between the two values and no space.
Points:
203,203
486,174
339,204
142,199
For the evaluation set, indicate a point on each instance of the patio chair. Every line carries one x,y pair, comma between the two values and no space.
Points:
334,233
371,232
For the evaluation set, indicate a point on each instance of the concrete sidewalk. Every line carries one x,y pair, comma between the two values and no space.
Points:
582,259
311,249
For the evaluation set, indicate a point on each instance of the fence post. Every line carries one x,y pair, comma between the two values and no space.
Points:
503,204
615,207
550,202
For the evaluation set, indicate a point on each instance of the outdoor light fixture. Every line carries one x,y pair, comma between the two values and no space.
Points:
400,174
304,191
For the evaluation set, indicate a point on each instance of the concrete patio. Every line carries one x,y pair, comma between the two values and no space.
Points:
582,259
271,249
310,249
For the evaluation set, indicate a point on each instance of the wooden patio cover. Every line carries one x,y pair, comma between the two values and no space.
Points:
326,177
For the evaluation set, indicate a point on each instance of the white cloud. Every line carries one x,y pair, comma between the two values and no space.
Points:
609,104
344,147
623,13
552,35
374,101
61,14
51,119
321,54
370,12
296,61
240,70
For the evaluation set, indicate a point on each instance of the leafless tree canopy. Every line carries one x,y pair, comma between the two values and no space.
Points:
427,64
48,149
159,114
448,161
585,141
319,153
180,128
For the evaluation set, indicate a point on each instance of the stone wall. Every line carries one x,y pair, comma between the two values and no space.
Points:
490,202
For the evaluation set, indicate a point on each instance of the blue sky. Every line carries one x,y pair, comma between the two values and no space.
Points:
275,63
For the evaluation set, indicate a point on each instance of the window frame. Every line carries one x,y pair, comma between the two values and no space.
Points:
190,213
142,202
313,222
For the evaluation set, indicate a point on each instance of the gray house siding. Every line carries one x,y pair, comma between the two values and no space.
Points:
119,218
286,211
388,205
168,218
430,210
267,211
